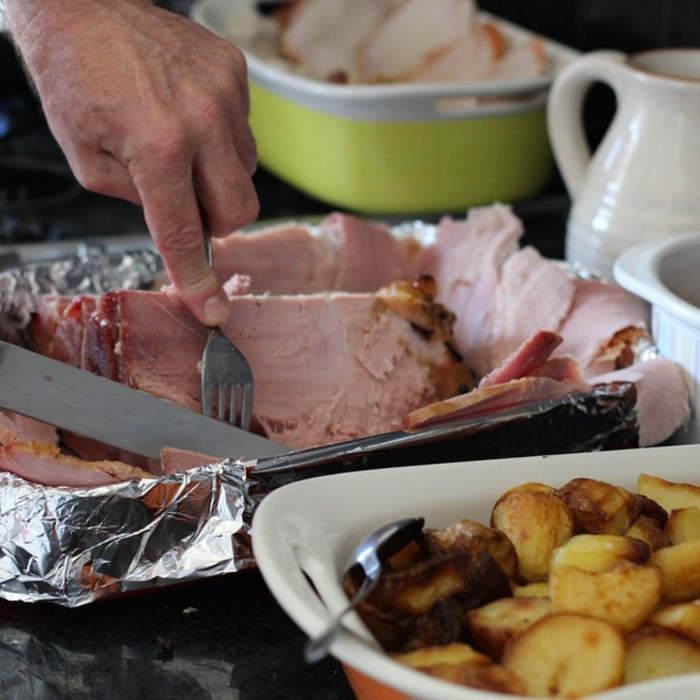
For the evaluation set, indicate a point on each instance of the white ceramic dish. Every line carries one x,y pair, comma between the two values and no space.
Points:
311,527
665,273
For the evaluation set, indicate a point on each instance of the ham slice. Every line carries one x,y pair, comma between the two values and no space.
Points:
173,460
598,312
45,464
322,36
410,33
466,262
327,367
14,426
487,400
528,356
662,397
533,293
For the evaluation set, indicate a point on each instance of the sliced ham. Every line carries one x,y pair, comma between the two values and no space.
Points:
487,400
45,464
525,359
322,36
662,397
14,426
599,311
466,262
473,56
173,460
326,367
283,259
409,33
532,294
57,327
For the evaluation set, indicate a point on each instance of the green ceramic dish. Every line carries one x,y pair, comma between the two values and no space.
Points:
400,148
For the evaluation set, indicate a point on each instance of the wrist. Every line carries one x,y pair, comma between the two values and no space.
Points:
34,23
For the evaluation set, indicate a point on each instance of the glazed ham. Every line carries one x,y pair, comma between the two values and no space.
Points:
326,367
46,464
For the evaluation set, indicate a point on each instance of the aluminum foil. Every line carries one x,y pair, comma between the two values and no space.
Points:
75,546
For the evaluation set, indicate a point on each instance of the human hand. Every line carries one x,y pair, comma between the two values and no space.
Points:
152,108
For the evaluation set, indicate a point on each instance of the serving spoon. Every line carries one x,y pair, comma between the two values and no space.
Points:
370,556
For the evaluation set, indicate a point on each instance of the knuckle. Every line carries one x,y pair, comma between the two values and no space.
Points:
170,143
210,113
180,242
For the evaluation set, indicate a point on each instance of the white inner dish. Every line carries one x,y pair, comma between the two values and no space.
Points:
311,527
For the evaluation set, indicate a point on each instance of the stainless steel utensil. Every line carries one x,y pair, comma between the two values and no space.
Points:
99,408
225,372
370,555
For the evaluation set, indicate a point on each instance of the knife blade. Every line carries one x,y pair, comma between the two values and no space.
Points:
84,403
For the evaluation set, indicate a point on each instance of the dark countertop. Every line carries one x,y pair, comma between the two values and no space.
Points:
221,638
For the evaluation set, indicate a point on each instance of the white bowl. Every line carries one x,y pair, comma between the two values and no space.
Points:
311,527
666,273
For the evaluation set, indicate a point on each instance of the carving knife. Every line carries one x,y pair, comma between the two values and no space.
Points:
84,403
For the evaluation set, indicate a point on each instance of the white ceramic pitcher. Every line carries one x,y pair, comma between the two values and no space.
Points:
643,182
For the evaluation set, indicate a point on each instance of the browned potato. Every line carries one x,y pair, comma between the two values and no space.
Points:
539,589
567,655
682,617
648,530
492,625
456,654
600,507
656,652
683,525
624,596
536,522
599,552
411,554
532,486
468,535
652,509
494,678
680,566
669,495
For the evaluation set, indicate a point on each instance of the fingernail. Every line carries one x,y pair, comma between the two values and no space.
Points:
216,311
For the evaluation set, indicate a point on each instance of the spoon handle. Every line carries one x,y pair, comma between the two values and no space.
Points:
316,648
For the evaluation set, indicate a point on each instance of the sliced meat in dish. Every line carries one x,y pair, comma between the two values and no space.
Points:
533,293
466,262
599,311
662,397
408,34
525,359
45,464
14,426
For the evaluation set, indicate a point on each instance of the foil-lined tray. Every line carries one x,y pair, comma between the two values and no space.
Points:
73,546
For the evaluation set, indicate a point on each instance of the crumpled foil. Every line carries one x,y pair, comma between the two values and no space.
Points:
74,546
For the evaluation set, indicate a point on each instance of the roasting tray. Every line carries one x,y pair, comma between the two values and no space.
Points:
75,546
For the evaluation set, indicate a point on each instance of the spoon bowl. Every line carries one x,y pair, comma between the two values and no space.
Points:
370,556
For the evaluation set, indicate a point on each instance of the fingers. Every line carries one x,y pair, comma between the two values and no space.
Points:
101,172
224,186
165,185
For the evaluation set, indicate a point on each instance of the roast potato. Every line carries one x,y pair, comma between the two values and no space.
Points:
567,655
536,522
624,596
656,652
468,536
669,495
493,624
680,566
682,617
600,507
539,589
648,530
493,677
599,552
683,525
456,654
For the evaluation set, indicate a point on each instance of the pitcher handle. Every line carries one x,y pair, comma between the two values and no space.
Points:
564,111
